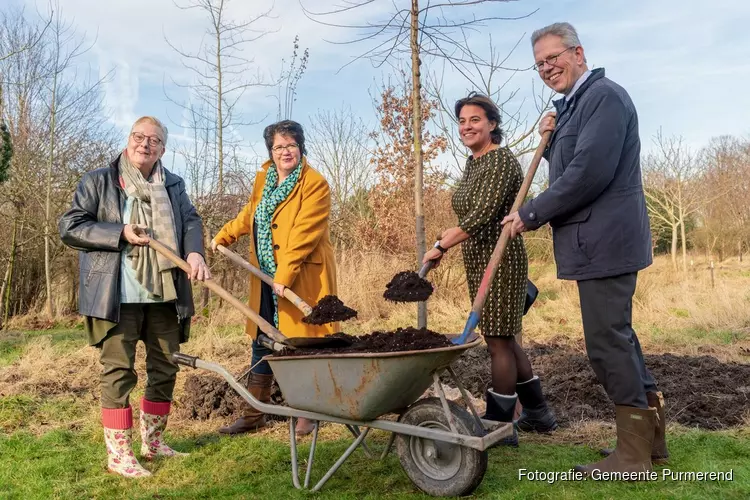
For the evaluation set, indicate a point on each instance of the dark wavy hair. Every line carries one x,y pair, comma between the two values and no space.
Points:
288,128
490,109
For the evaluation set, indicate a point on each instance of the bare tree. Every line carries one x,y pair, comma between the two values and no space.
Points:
221,73
340,147
289,79
417,32
673,188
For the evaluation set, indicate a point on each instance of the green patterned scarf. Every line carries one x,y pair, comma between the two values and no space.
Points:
273,195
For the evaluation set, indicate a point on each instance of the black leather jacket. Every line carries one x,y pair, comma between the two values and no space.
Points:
93,226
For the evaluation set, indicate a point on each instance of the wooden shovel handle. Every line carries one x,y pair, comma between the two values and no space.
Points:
264,325
502,242
288,293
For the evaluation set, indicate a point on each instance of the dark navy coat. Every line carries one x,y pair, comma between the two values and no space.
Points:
595,202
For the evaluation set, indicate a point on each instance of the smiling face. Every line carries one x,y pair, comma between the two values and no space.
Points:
286,154
562,66
475,128
144,154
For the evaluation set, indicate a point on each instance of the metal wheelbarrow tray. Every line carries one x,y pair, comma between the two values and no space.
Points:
441,446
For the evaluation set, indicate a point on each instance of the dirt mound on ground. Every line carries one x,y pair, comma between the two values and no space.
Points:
699,390
208,396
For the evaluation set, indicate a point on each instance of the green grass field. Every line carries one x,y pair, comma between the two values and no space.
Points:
65,464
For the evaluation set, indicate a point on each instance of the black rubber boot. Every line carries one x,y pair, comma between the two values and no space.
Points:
500,408
536,415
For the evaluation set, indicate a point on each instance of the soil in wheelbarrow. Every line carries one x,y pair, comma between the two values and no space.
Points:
700,391
407,286
329,310
402,339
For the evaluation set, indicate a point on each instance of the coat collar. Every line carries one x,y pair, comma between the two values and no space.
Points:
262,177
170,179
561,105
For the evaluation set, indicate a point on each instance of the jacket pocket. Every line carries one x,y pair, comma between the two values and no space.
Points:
314,258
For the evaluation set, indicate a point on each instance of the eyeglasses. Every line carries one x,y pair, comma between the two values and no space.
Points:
539,66
288,147
152,139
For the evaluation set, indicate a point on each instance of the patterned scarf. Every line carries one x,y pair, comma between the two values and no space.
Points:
273,195
152,209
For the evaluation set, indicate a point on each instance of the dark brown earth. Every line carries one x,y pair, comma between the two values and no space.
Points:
700,391
407,286
402,339
329,310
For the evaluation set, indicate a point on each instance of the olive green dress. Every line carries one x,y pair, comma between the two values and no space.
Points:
482,198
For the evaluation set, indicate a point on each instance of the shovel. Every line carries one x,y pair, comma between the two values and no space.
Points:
288,293
275,339
497,253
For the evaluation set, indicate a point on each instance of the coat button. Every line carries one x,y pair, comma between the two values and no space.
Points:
532,216
274,226
276,247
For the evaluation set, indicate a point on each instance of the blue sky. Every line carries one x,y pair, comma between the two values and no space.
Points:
684,63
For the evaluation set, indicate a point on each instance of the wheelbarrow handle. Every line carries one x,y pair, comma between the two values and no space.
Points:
288,293
180,358
502,243
264,325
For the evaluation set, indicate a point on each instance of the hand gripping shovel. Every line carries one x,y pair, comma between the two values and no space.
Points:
497,253
295,299
274,338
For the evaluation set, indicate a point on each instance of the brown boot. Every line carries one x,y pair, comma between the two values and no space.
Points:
635,437
252,420
659,452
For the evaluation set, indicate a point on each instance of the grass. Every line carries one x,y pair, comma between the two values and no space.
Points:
65,464
13,343
51,444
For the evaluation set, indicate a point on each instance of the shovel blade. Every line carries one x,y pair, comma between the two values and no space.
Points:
317,342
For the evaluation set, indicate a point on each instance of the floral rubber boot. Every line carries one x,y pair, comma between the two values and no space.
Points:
154,416
118,436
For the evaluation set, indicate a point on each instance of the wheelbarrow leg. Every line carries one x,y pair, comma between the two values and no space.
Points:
312,454
293,448
341,460
354,429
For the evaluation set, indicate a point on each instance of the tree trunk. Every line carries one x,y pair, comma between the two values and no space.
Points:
219,114
416,95
9,272
673,250
48,200
684,244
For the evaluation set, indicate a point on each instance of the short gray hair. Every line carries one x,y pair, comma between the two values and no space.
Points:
153,121
566,31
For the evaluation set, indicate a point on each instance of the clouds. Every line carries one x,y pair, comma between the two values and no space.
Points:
683,62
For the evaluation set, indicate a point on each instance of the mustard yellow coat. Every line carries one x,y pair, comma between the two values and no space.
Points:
305,260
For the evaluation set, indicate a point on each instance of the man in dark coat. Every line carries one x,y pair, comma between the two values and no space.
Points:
129,293
596,207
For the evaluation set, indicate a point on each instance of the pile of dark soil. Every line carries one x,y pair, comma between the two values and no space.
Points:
407,286
402,339
329,310
699,390
208,396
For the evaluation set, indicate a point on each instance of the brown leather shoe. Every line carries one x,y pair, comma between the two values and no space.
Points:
635,437
304,426
252,420
659,452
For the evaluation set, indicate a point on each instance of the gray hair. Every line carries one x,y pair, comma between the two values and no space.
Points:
153,121
566,31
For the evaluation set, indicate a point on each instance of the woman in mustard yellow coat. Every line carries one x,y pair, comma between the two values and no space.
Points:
287,219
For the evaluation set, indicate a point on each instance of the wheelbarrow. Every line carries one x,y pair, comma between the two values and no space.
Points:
441,445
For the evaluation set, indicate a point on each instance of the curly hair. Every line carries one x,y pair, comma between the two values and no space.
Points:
490,109
288,128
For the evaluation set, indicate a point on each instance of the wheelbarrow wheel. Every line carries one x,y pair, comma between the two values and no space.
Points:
436,467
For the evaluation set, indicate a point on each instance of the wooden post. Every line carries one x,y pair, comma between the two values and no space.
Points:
712,274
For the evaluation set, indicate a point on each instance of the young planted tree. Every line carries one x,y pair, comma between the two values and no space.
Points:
413,32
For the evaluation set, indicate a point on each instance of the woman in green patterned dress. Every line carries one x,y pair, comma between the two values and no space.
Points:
484,195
